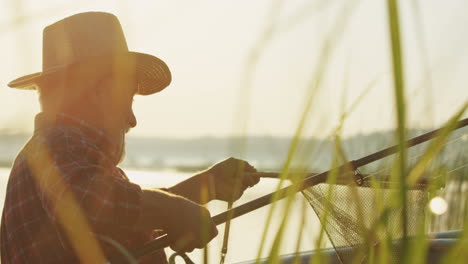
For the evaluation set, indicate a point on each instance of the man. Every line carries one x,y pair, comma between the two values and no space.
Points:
67,201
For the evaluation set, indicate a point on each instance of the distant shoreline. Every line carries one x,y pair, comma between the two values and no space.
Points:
265,153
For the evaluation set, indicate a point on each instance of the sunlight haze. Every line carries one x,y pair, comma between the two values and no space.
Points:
207,45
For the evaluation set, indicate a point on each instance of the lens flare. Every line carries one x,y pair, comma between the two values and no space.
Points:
438,205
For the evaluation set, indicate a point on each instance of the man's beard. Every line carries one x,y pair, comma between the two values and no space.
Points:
120,154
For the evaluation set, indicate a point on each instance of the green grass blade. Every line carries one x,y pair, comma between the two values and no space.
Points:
399,89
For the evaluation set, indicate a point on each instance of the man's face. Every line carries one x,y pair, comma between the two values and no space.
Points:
116,108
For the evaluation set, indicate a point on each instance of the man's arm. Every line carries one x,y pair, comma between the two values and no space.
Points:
156,210
226,181
199,188
188,224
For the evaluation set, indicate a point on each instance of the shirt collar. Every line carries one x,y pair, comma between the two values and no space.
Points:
74,126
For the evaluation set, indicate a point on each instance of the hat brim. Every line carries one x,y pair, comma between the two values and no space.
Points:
152,74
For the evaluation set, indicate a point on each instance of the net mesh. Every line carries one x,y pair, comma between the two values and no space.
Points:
357,218
361,214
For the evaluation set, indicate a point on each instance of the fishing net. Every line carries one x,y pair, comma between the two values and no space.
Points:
358,217
361,214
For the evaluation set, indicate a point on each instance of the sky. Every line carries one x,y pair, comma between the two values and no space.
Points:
247,67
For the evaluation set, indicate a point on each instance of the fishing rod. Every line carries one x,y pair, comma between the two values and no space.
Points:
347,178
314,179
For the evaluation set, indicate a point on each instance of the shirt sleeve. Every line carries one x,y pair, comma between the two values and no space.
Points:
111,203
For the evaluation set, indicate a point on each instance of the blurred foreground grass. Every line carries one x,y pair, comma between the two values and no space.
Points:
393,215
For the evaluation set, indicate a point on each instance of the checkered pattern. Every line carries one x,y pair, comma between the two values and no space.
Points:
30,232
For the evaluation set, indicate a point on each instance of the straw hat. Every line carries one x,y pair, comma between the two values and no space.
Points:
94,36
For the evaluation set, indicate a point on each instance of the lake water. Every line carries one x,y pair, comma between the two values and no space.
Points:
246,231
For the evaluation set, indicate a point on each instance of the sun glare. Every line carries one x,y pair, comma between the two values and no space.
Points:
438,205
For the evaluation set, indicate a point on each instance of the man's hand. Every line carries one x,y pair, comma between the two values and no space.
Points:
230,178
191,227
226,181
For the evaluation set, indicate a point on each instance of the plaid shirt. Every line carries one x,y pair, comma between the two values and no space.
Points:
31,232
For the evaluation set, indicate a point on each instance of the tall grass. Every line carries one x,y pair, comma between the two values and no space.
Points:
399,88
406,172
